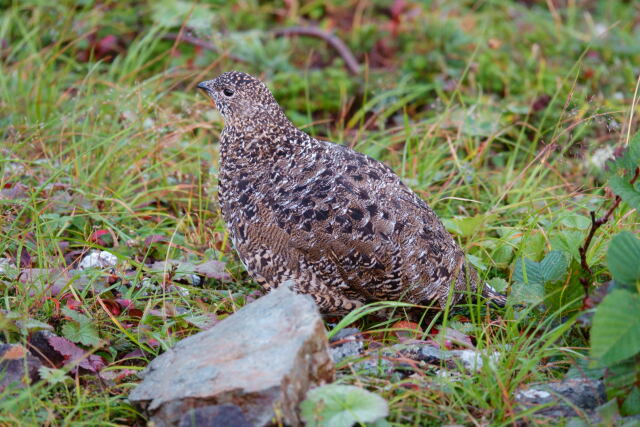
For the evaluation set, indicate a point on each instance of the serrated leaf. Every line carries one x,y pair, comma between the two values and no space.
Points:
615,335
498,284
82,333
568,241
53,376
580,222
629,193
337,405
623,258
75,355
552,268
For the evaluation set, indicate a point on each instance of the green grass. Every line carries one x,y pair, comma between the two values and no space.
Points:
490,110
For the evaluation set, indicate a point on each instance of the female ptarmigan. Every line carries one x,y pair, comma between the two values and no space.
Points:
339,224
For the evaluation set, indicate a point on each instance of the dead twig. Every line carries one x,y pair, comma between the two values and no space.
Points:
338,45
595,224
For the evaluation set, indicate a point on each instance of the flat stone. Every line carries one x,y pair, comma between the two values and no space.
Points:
215,416
262,359
582,393
18,367
345,344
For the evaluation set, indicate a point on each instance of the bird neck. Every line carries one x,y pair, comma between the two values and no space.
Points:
266,142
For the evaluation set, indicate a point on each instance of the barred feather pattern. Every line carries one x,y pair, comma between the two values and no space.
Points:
339,224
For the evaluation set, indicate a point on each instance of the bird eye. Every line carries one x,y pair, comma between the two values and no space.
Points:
227,92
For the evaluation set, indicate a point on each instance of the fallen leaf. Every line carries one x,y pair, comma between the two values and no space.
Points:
75,355
404,329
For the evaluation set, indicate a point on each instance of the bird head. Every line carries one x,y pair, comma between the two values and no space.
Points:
241,97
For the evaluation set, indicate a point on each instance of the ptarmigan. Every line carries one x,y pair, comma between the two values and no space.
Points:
339,224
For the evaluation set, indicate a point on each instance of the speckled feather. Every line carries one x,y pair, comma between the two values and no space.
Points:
339,224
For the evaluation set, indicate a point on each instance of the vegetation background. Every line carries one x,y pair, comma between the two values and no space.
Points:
501,114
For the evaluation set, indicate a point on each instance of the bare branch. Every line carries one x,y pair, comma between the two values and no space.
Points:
595,224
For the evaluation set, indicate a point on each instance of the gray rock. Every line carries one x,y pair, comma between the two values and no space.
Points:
262,359
215,416
421,352
565,397
18,367
346,343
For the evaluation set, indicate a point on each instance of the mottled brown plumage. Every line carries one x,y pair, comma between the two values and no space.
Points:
339,224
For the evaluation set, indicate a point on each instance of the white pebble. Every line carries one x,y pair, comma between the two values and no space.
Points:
98,259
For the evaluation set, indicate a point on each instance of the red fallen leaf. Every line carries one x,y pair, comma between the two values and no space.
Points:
75,355
406,329
133,355
96,237
155,238
106,46
73,303
125,304
112,306
135,313
410,386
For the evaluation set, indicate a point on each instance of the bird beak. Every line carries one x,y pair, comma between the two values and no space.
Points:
203,86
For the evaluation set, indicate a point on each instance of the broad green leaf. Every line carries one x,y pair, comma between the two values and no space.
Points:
630,193
337,405
580,222
568,241
623,258
468,225
498,284
53,376
530,277
621,377
82,333
615,335
631,405
552,268
81,329
523,293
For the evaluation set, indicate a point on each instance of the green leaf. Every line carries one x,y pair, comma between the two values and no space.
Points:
580,222
53,376
530,277
552,268
630,193
469,225
623,258
621,377
82,333
498,284
631,405
568,241
615,334
81,329
337,405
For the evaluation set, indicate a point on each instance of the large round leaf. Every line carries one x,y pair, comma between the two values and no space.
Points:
615,334
336,405
623,258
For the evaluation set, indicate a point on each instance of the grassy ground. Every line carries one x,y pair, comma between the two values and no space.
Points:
497,113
